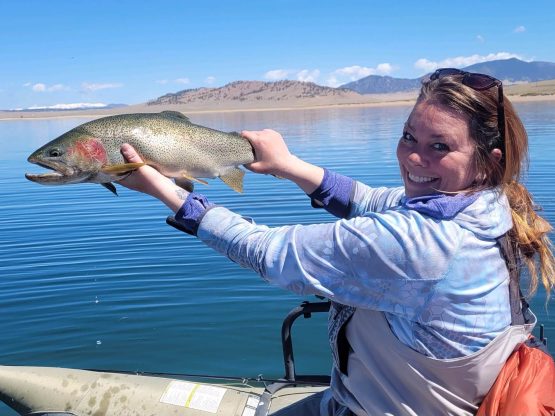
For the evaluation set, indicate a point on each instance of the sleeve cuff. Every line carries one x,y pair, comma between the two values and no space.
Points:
333,194
189,216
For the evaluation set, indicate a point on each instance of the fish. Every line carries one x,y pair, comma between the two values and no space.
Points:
168,141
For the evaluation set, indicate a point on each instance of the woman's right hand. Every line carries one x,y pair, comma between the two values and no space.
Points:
272,156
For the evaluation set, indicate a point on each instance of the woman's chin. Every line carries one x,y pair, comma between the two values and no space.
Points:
414,189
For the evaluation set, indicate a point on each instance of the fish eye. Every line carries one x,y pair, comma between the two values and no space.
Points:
54,152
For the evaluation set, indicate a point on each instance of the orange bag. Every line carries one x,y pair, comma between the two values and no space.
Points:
524,387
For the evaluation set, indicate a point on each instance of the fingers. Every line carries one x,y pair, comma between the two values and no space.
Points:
249,134
130,154
256,136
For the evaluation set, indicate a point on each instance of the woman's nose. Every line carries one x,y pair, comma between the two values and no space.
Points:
417,159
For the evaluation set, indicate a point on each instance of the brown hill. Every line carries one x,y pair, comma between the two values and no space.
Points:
259,93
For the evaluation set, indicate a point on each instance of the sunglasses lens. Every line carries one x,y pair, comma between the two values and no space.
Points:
449,71
445,72
479,81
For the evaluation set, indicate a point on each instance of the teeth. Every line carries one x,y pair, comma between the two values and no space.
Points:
420,179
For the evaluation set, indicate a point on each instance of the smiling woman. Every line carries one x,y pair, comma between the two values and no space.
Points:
422,278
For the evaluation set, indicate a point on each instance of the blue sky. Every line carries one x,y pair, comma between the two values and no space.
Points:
61,52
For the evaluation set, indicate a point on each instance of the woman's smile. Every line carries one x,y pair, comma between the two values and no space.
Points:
420,179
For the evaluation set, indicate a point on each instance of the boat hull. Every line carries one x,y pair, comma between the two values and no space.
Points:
82,392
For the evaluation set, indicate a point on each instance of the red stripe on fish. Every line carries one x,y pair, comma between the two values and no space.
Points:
90,149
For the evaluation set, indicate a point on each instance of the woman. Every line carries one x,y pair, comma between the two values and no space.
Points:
421,318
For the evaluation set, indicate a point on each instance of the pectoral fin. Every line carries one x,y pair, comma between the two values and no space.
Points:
111,187
234,179
191,179
121,168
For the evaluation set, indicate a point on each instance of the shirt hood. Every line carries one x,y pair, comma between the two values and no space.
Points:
488,216
487,213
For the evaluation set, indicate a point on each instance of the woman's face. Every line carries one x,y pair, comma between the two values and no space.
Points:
436,152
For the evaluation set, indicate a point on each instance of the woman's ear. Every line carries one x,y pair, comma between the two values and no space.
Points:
496,155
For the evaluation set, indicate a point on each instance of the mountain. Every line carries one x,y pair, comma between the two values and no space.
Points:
515,70
508,70
256,91
376,84
286,93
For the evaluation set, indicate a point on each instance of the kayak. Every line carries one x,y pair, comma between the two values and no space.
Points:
64,391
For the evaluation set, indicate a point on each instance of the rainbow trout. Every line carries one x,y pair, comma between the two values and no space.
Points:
167,141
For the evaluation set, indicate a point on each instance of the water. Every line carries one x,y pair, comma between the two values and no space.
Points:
90,280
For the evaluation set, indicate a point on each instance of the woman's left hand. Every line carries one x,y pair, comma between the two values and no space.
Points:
148,180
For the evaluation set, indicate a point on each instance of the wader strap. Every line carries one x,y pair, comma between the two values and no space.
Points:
519,306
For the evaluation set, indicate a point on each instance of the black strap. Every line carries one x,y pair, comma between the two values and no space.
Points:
519,306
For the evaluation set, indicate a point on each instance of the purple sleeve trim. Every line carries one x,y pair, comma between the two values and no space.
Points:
334,194
191,212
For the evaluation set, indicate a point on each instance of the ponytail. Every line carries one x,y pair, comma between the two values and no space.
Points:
530,240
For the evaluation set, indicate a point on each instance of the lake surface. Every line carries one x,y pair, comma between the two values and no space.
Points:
90,280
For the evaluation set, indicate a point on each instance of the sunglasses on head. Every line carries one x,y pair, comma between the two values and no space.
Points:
479,82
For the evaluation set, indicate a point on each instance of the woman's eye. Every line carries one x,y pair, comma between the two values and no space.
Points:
407,137
442,147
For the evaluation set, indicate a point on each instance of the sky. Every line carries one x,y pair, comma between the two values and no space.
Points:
61,53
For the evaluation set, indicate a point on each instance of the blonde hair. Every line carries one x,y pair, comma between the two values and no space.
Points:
529,236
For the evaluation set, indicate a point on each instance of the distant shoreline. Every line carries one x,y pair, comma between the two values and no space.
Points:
385,100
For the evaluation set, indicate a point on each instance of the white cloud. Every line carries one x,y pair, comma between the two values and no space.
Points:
519,29
334,79
210,80
92,87
277,74
425,65
352,73
356,71
307,75
57,87
176,81
41,87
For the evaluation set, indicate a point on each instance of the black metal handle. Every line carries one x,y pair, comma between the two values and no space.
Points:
306,309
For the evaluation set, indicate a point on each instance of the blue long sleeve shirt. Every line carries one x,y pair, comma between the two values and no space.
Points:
436,273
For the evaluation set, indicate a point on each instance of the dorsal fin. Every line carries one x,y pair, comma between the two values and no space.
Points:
176,114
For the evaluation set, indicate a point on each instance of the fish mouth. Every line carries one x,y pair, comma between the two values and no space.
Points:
61,173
